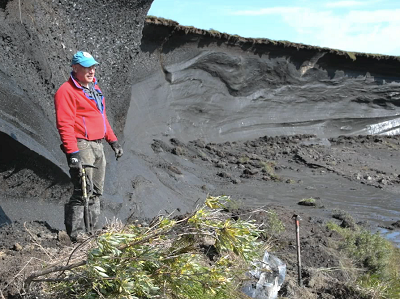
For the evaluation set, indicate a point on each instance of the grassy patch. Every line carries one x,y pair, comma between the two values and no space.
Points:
273,226
378,256
268,167
214,32
307,202
244,159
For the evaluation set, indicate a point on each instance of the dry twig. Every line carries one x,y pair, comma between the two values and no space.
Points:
19,273
52,270
83,262
36,242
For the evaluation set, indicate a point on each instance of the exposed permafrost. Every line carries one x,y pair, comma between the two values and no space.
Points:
388,127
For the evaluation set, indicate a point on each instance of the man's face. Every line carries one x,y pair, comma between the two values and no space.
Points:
84,75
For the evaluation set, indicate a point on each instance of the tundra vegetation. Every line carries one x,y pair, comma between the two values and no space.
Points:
207,254
375,270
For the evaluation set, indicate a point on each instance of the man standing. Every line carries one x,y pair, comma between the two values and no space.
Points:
82,124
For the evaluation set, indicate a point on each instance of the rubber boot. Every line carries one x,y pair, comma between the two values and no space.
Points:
94,210
73,217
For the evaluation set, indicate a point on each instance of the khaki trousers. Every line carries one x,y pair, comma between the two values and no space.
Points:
91,153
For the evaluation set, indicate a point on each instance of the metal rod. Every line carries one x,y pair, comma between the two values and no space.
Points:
297,223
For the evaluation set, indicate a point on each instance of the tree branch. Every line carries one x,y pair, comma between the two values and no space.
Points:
52,270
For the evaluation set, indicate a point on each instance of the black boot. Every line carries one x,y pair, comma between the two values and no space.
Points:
94,210
73,216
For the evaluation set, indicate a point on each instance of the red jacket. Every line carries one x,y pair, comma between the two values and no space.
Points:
78,116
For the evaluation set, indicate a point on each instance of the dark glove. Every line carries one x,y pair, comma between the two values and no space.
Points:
74,161
117,148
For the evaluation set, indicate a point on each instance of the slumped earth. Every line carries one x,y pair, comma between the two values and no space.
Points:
264,174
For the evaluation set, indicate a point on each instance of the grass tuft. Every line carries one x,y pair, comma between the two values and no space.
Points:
378,256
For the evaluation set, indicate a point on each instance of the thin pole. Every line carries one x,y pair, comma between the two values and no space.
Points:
20,13
297,223
86,200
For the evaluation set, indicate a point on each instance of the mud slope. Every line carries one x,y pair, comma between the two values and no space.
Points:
219,87
208,88
188,105
37,41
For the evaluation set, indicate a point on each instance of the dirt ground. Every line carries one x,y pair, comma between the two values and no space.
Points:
363,160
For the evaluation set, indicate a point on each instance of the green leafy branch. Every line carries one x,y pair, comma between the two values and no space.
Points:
203,255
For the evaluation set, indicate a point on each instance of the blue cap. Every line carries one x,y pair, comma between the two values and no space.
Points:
84,59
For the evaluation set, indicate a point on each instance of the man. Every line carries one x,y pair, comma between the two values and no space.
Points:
83,125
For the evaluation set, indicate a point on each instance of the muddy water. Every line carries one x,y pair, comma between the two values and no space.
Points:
365,203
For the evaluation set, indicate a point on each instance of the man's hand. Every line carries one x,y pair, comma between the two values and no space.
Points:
74,161
117,148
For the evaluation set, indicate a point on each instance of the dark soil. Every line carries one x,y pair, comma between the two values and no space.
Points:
25,247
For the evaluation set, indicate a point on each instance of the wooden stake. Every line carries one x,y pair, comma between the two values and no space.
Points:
297,223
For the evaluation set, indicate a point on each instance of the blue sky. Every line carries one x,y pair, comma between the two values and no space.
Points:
358,26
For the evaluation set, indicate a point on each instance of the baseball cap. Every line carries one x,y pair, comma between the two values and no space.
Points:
84,59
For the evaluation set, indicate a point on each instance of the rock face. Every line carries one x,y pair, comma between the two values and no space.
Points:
165,86
37,41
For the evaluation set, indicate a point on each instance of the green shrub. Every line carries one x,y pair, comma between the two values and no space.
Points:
167,260
274,226
378,256
269,168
